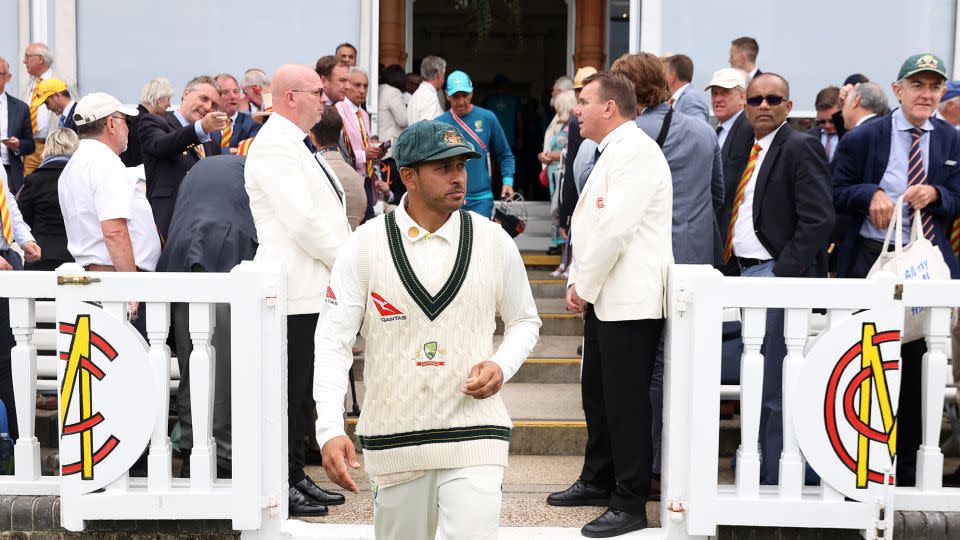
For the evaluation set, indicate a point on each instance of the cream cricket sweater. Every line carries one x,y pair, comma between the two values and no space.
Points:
419,351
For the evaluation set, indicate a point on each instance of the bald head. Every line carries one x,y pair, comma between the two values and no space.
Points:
297,95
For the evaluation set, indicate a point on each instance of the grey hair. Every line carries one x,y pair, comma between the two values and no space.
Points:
431,67
255,77
565,103
199,81
44,51
872,97
355,69
563,84
156,90
60,142
226,76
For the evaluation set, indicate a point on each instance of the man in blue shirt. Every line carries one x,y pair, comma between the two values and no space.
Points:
481,128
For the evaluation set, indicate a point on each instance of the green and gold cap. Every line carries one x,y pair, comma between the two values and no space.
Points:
430,140
922,62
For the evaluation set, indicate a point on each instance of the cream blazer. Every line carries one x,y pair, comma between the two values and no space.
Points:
621,227
300,217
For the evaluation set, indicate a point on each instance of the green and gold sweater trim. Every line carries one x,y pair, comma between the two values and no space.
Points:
433,436
431,306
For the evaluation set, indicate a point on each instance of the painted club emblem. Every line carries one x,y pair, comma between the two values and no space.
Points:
428,355
846,421
107,408
600,202
927,60
452,138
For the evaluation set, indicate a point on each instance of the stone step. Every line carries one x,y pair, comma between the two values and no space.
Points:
557,321
544,285
535,259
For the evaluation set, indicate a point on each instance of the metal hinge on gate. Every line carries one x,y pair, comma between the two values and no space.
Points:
76,280
676,509
683,301
898,291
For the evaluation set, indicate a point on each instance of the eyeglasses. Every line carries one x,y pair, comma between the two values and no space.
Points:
27,56
317,93
773,100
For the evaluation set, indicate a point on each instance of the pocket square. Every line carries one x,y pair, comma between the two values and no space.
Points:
949,163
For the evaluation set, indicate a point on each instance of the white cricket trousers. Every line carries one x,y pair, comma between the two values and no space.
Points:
464,502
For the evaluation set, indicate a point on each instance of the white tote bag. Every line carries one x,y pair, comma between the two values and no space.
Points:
919,259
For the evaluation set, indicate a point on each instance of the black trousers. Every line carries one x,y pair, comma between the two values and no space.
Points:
618,359
300,404
909,411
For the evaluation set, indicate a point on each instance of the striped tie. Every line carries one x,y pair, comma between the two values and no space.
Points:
738,200
226,134
955,237
366,143
918,176
6,224
34,107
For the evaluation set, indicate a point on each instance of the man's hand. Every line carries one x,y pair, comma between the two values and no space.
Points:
13,144
374,152
574,302
919,196
844,92
881,209
31,251
544,157
485,380
381,186
337,452
4,265
213,121
507,191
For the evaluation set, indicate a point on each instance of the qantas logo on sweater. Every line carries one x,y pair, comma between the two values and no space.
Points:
330,298
387,311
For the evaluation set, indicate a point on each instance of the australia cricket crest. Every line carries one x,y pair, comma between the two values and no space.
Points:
430,354
846,414
108,404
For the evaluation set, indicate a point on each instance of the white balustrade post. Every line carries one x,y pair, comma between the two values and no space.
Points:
204,453
795,332
751,395
23,367
118,310
934,378
159,461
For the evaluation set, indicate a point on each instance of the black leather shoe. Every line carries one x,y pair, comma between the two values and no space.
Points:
614,523
318,494
301,505
580,494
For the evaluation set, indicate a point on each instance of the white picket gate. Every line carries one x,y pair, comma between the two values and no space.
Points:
694,503
255,498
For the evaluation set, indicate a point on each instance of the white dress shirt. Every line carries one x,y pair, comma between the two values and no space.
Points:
428,255
424,104
21,231
95,187
4,125
43,113
726,126
745,241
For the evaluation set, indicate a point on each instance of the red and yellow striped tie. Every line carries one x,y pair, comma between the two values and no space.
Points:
34,107
243,147
955,236
226,134
738,200
366,143
6,224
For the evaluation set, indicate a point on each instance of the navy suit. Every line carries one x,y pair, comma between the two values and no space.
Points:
68,121
858,167
18,125
243,128
168,153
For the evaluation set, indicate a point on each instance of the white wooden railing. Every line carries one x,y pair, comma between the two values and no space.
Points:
694,503
254,499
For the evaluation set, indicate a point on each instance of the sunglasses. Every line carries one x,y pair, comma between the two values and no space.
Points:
773,100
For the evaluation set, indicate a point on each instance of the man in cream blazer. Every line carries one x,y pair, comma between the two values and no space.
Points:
297,206
622,233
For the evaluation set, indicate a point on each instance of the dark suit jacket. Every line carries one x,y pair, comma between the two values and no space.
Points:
793,205
18,125
40,205
733,156
858,167
68,121
212,227
568,188
132,156
244,128
168,154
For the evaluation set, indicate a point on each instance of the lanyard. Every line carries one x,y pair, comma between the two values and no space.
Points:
475,137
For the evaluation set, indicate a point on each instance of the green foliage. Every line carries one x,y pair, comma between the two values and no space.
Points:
481,14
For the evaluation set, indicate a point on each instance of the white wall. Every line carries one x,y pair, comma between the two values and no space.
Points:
10,42
122,44
812,43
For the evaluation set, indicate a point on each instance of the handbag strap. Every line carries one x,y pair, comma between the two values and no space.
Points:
665,127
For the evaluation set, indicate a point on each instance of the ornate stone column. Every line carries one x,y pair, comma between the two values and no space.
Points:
590,34
393,32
